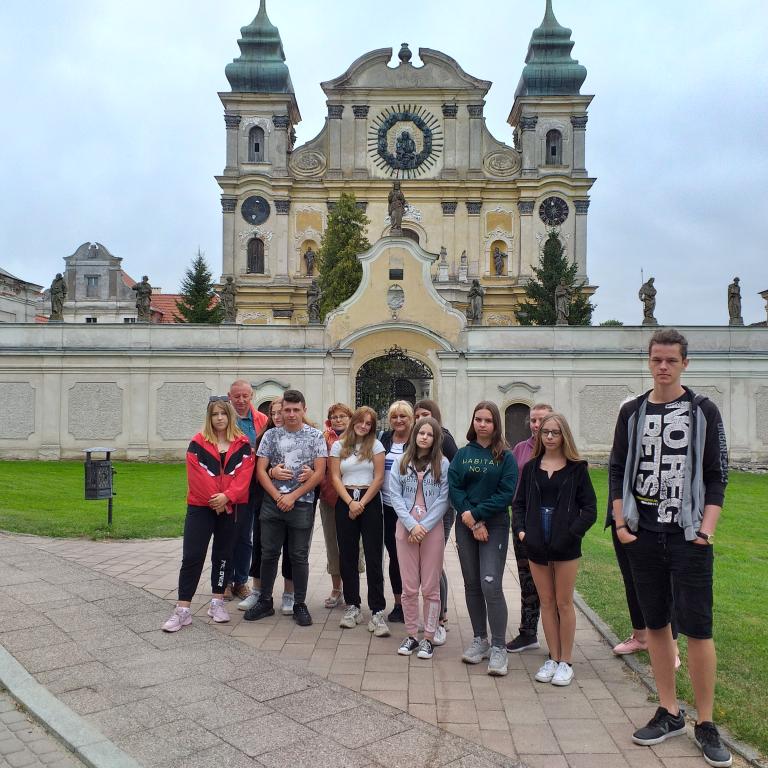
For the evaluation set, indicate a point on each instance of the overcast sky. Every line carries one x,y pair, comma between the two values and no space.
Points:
112,129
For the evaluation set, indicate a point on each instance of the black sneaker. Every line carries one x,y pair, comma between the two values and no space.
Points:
522,642
301,615
408,646
708,739
261,610
396,615
661,726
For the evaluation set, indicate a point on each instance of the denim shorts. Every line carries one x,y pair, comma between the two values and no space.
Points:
671,573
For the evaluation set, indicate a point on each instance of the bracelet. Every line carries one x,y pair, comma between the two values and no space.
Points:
619,527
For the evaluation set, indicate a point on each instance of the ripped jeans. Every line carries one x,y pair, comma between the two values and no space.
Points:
482,566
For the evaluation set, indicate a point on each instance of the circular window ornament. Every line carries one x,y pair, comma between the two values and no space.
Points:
405,141
255,210
553,211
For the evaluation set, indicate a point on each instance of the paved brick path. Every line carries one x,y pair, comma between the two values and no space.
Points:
341,696
25,744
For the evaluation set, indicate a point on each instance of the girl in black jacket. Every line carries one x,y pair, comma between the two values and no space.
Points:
554,507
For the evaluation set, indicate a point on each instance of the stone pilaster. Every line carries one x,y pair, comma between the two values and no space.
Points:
232,123
449,234
528,252
449,131
475,136
360,111
282,207
580,237
281,144
528,128
579,163
228,208
473,237
335,112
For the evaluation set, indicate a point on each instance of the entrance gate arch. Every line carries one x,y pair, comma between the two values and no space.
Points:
393,376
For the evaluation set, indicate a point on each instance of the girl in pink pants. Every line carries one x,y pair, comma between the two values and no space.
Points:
418,489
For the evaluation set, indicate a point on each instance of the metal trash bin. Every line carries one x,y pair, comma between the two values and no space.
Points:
99,474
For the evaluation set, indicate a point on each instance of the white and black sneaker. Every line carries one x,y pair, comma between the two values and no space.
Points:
408,646
661,726
426,649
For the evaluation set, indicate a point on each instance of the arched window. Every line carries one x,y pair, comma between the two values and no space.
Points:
554,148
256,145
256,256
411,234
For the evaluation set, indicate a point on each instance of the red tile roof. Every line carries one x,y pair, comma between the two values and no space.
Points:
164,309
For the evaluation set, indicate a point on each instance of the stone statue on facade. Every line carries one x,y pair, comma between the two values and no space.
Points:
647,294
396,208
143,299
734,303
475,300
309,260
58,294
313,302
562,304
228,301
498,260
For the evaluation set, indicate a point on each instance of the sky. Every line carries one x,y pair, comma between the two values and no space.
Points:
112,130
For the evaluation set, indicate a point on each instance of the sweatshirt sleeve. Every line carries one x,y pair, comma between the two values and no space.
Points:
619,452
587,504
239,485
439,506
715,460
505,491
394,482
449,446
521,499
456,491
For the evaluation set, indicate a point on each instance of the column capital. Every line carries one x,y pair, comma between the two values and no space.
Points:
228,204
450,110
282,207
526,207
232,120
581,206
475,110
360,111
449,207
579,122
528,122
335,111
473,207
281,122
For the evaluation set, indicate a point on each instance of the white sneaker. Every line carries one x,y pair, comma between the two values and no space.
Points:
476,652
497,666
287,608
378,625
439,638
249,601
351,618
546,671
563,674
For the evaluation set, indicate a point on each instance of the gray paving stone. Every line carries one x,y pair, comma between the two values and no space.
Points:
51,657
97,638
217,757
136,716
358,727
23,640
9,745
167,742
10,621
320,750
417,746
10,575
313,703
272,685
231,707
264,734
76,617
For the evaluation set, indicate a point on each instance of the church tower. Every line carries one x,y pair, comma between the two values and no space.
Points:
549,118
260,113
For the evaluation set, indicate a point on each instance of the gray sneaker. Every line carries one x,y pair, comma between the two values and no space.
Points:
497,666
477,651
287,607
249,601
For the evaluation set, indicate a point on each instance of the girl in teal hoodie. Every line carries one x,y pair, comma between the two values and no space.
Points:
482,480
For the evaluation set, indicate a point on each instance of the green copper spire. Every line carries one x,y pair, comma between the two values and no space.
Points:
261,66
549,68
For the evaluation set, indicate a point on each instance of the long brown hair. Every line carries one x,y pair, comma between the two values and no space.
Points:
349,439
435,456
570,451
233,431
498,443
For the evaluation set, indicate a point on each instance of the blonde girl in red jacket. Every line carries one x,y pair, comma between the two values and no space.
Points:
219,468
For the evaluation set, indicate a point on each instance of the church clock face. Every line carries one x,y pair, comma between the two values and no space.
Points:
255,210
405,141
553,211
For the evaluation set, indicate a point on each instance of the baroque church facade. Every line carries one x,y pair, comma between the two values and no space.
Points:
481,203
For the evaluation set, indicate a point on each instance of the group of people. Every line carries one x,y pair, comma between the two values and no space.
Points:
255,482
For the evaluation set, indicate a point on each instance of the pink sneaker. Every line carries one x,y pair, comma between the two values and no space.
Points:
630,645
181,617
218,612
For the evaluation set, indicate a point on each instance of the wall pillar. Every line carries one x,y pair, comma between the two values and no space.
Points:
449,235
280,243
580,237
475,136
280,145
449,132
229,265
578,164
232,123
475,245
360,112
335,111
528,128
528,252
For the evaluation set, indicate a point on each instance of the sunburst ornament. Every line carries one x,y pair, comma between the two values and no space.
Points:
405,141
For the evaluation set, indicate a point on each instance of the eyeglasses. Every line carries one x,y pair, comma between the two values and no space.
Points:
218,399
551,432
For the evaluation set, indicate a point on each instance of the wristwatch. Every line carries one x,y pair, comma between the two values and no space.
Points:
708,537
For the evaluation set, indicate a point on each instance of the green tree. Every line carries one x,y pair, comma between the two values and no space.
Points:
554,267
199,303
344,238
611,323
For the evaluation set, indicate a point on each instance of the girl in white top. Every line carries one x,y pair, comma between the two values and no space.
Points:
357,473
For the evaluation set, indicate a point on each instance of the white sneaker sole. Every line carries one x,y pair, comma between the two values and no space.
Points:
475,659
651,742
378,631
497,672
562,683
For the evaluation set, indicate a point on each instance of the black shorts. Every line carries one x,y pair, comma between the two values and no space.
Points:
671,573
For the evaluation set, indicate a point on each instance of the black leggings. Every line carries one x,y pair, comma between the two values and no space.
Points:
200,524
255,572
390,524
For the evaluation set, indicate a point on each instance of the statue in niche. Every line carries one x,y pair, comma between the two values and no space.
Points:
396,208
309,260
647,294
405,150
475,299
143,299
228,301
562,303
58,294
498,260
734,303
313,302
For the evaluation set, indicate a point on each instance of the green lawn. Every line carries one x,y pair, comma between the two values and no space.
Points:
741,602
46,498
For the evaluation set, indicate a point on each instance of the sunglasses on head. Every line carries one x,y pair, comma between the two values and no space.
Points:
218,399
